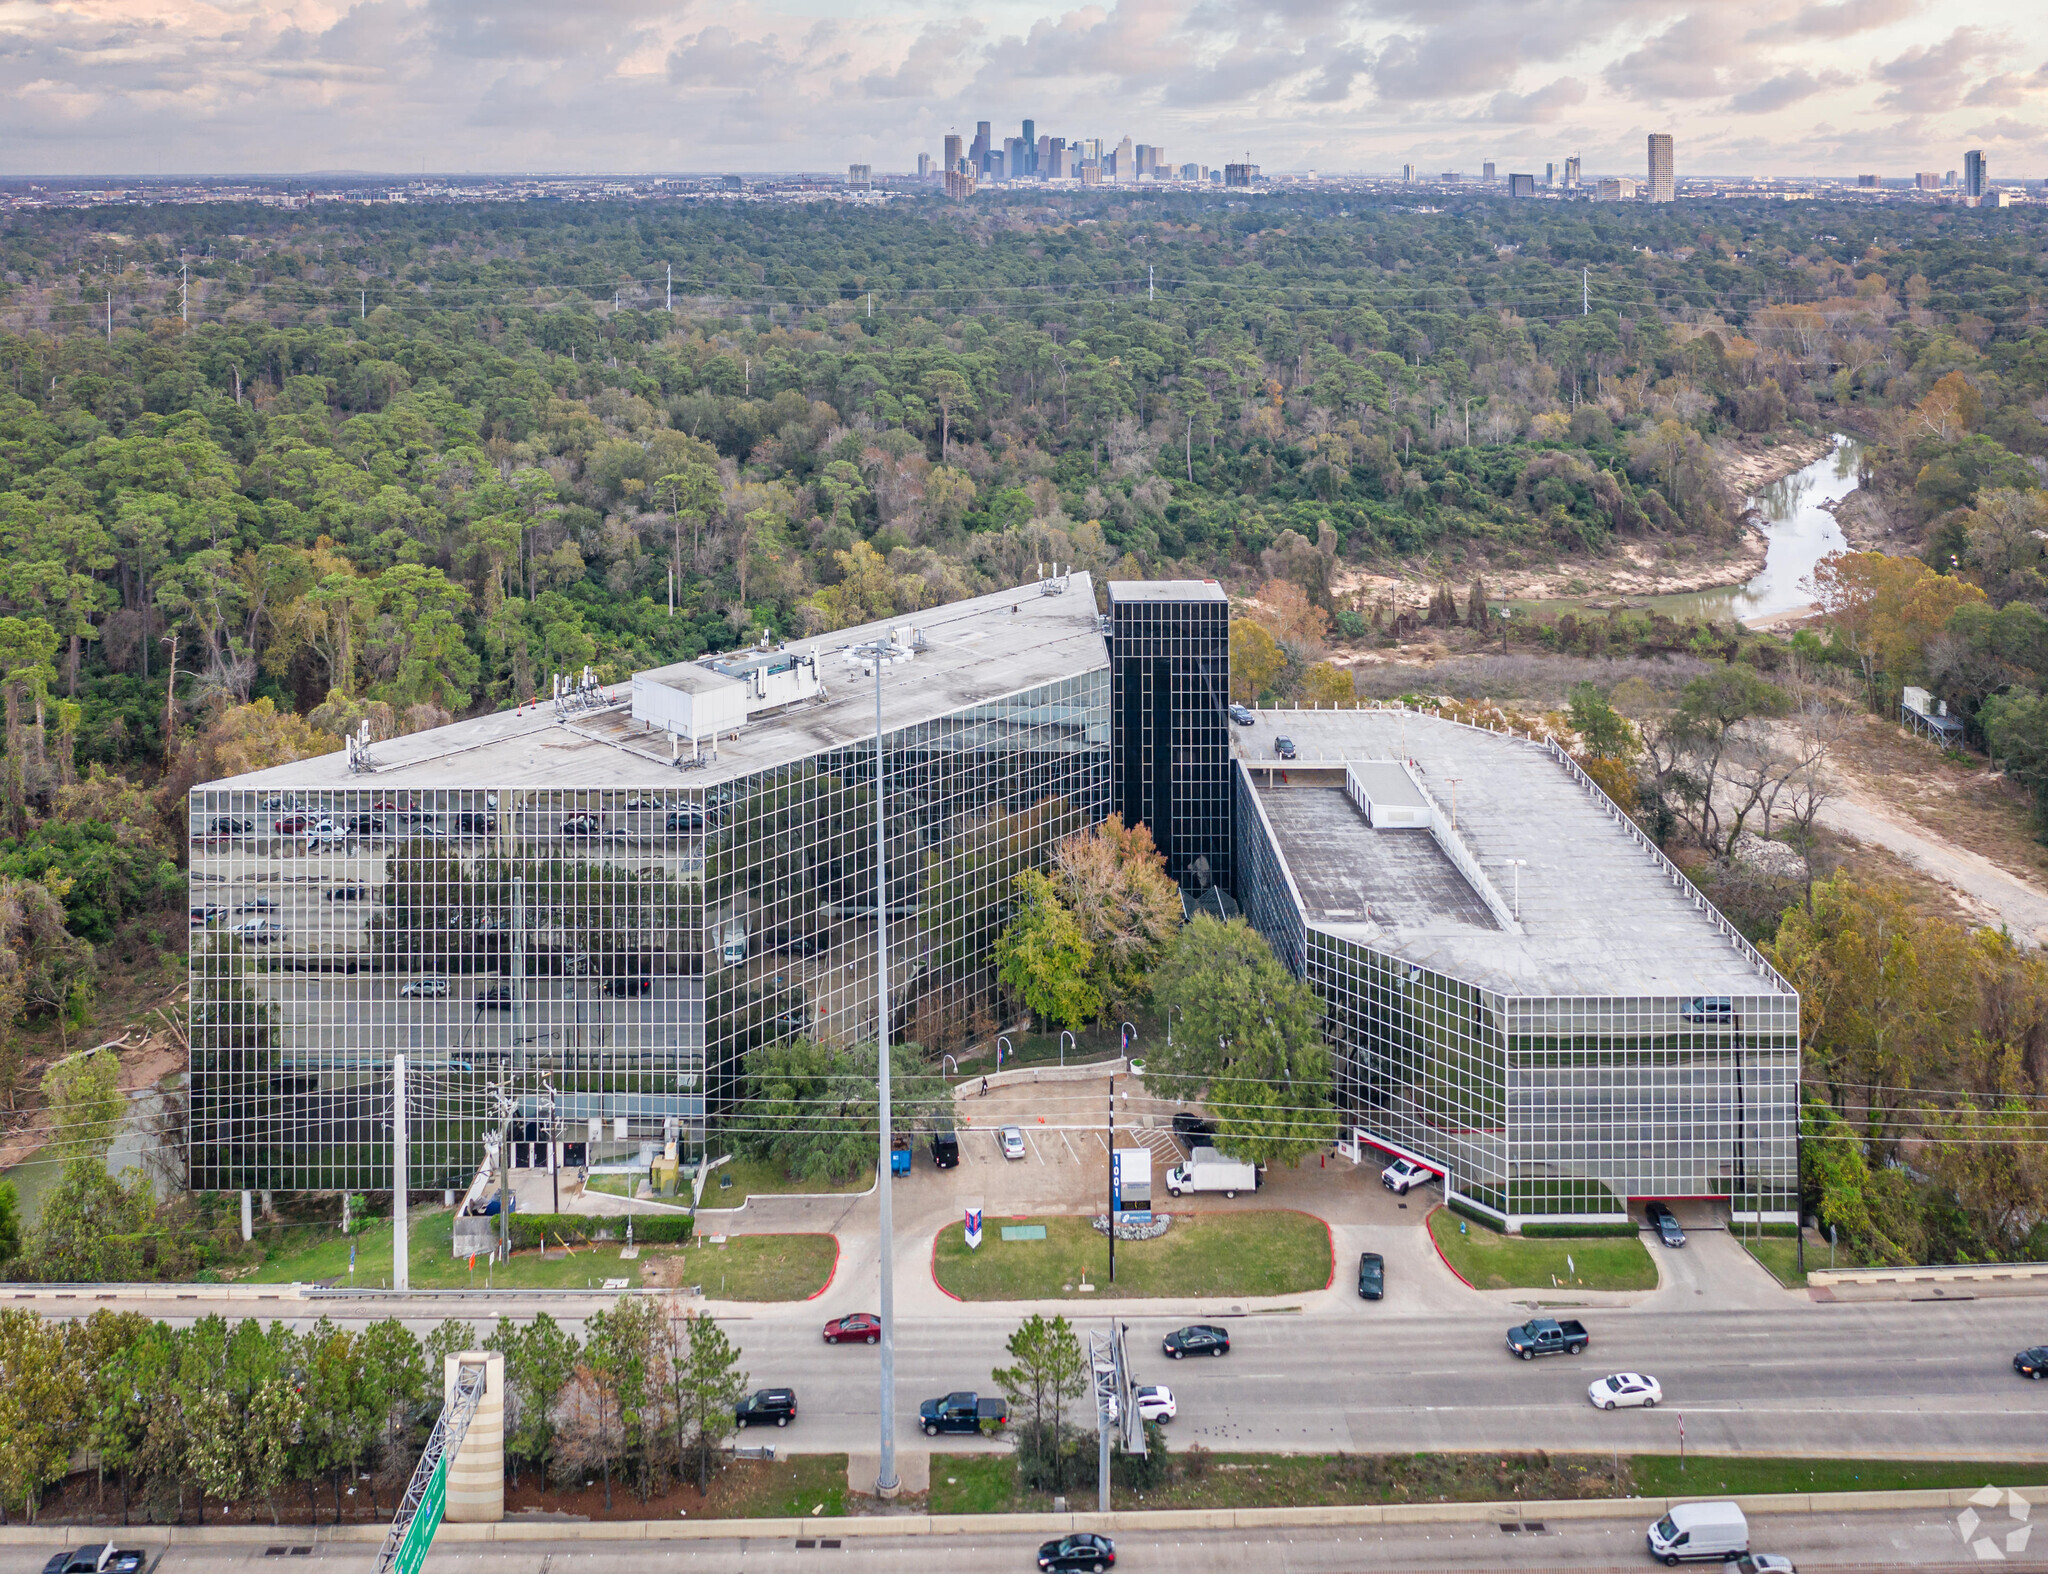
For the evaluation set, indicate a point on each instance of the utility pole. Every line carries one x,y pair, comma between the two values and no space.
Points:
1585,292
671,288
184,291
401,1278
1149,293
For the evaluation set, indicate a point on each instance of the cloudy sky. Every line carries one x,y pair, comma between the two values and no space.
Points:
289,86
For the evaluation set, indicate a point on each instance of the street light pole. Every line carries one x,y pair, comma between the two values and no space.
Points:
886,1482
1112,1175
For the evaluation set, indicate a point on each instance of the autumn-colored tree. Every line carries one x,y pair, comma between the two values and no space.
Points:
1114,881
1256,661
1324,684
866,590
1290,617
1886,609
1044,956
1948,410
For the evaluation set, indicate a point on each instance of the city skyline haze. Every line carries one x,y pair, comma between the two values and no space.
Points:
141,87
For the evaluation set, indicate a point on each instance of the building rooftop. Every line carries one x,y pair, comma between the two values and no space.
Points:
956,656
1600,913
1166,590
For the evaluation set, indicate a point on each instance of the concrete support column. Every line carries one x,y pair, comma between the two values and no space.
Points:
476,1475
248,1222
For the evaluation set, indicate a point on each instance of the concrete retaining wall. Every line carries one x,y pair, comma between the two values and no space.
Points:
1972,1273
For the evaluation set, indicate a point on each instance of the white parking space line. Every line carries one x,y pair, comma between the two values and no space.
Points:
1070,1149
1028,1137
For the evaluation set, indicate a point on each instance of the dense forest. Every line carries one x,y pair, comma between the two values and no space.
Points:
266,474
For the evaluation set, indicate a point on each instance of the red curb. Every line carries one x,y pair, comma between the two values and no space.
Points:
837,1253
1440,1257
935,1275
1332,1237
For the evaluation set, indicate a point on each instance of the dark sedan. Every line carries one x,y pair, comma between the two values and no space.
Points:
1284,747
1242,715
1665,1222
1372,1275
1194,1129
855,1328
1084,1551
1201,1339
2032,1363
103,1559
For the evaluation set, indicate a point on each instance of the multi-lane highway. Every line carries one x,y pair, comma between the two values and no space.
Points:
1908,1539
1912,1379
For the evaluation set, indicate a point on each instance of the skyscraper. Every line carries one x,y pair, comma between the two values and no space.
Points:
978,154
1521,185
1571,173
924,166
953,154
1030,164
1663,182
1486,171
1976,175
1550,174
1126,161
1408,173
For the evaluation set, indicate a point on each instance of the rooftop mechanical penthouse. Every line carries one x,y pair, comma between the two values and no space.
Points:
598,904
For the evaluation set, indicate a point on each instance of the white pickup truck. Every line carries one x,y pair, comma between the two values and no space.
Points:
1208,1170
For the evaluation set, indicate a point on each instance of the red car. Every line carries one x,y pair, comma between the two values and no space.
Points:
863,1327
293,825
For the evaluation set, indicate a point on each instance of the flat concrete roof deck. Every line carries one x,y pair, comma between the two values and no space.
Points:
1600,916
974,651
1351,873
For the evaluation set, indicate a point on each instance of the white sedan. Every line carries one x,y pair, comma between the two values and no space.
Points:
1155,1403
430,986
1013,1142
1623,1389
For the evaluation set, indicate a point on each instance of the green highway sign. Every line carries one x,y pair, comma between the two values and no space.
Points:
419,1535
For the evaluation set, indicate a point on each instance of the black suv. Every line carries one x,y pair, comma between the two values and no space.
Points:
766,1404
1196,1130
945,1148
1242,715
1284,747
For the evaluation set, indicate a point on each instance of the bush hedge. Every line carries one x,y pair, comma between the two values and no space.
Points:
1568,1231
534,1229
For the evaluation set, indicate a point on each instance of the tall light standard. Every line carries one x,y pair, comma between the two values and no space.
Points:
878,653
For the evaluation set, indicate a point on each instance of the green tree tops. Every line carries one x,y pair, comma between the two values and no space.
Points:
1046,958
1247,1031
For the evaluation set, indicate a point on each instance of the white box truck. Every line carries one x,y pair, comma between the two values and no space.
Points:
1208,1170
1699,1533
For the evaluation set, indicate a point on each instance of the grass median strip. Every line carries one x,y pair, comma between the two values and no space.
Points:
1262,1252
1490,1260
1194,1478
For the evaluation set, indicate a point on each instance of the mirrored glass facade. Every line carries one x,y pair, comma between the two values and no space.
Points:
1544,1107
617,948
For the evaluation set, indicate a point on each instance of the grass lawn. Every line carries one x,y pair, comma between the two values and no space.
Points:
1492,1261
750,1176
1781,1258
788,1489
1197,1479
755,1267
1270,1252
1658,1475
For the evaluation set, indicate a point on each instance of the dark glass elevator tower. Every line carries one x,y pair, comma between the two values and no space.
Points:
1169,661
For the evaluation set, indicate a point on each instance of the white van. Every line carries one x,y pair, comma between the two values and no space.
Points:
1700,1532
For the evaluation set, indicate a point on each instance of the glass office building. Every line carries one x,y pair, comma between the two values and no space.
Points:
1521,991
574,921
